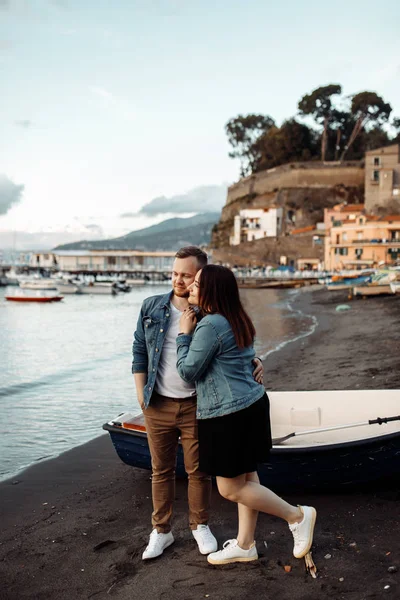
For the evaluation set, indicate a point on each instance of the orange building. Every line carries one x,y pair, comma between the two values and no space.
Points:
341,212
363,241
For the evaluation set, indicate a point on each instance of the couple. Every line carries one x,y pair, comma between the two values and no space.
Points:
195,381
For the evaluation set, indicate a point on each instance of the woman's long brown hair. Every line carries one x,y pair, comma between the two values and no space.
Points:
219,293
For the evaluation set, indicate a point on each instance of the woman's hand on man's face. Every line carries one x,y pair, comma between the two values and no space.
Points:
188,321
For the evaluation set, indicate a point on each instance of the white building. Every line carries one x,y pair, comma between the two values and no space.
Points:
113,260
256,223
100,260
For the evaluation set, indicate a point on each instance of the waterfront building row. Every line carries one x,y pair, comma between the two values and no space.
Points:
99,260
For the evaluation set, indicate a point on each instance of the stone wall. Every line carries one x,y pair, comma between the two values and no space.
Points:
269,250
294,175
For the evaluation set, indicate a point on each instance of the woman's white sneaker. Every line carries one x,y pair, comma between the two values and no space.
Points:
157,544
231,552
303,532
205,539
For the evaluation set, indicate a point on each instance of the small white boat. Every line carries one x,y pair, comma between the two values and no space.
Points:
38,283
99,288
18,294
68,287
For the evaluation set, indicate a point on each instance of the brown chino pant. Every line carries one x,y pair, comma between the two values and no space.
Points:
166,419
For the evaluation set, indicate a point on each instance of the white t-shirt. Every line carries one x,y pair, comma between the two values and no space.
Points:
168,382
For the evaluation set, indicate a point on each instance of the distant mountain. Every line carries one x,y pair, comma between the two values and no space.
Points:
167,235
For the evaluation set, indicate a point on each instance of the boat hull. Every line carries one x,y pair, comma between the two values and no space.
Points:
372,290
311,468
34,298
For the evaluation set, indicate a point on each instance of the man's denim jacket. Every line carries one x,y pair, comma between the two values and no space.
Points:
222,371
152,326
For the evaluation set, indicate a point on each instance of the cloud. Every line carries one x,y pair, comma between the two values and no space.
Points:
4,4
95,229
10,194
128,215
205,198
24,123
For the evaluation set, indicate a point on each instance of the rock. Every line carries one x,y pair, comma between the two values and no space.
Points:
392,569
328,556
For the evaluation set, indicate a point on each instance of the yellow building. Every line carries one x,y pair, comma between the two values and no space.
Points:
362,242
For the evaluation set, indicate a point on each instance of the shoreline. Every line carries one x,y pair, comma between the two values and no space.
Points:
75,525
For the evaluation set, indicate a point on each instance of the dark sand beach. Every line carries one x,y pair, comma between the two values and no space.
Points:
74,527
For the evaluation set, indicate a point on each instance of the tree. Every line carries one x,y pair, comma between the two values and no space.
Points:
395,124
367,108
292,141
243,132
319,105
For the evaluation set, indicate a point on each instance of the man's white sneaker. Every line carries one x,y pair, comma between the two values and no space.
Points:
231,552
303,531
157,544
205,539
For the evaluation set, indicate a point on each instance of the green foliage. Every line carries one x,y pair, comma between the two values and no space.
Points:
347,132
319,102
291,142
243,133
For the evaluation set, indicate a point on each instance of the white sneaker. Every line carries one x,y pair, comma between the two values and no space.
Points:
157,544
231,552
303,531
205,539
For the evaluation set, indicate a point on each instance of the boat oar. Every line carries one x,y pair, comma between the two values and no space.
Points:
377,421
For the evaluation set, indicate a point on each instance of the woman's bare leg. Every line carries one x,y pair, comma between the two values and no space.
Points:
258,498
247,519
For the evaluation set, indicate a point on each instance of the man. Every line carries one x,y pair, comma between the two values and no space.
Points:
169,406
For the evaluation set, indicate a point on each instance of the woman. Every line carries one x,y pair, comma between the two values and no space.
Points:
232,411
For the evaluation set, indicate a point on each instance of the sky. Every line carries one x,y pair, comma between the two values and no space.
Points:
112,112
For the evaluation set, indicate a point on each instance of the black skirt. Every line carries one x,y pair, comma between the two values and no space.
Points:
234,444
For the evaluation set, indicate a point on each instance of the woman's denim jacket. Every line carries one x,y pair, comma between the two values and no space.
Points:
222,371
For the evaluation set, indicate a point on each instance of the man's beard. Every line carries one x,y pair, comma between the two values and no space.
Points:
181,292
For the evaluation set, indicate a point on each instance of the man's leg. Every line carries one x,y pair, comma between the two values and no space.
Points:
199,487
162,435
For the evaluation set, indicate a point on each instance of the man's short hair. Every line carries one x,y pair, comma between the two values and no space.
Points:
198,253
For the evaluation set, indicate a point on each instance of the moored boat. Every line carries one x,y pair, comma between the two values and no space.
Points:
32,295
380,284
65,286
99,288
395,287
343,449
372,290
344,282
38,283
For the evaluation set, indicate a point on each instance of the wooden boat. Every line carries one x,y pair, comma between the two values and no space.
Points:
345,282
327,458
372,290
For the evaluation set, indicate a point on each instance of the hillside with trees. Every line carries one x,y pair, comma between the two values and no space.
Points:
327,127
